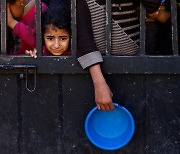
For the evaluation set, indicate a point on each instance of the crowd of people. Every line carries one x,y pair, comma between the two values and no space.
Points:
91,39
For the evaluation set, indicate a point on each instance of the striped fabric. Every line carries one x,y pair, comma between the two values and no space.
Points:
125,27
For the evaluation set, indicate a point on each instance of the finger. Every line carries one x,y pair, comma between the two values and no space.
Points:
26,52
35,51
102,107
107,107
111,106
98,106
154,15
31,53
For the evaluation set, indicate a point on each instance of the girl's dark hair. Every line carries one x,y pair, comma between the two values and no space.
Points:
57,16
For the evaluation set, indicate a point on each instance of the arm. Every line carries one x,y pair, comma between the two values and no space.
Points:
89,57
103,94
11,22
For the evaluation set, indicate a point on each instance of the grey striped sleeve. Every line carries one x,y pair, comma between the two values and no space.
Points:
121,41
90,59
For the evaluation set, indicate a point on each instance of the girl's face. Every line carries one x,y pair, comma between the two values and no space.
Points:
56,40
17,9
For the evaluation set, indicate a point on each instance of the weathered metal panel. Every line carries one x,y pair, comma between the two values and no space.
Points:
51,119
42,116
10,93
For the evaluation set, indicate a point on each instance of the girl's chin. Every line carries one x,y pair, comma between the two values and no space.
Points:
57,53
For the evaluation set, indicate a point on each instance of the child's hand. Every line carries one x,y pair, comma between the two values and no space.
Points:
11,22
32,53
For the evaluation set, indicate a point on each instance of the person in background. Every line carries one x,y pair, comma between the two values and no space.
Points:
56,30
21,20
158,32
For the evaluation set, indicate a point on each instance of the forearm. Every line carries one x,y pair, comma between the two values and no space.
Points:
103,94
96,74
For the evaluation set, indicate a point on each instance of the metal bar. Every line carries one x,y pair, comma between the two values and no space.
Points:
38,28
174,27
108,27
121,65
3,27
73,27
142,28
9,66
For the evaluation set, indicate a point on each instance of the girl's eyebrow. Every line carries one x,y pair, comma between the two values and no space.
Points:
49,35
63,36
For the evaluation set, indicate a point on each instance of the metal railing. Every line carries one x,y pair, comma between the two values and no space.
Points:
74,30
112,64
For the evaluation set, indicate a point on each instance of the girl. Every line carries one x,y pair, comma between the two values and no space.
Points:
21,19
56,32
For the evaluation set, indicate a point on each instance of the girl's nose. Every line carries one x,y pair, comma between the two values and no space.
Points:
56,44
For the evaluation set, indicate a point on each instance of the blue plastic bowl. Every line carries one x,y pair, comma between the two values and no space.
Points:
109,130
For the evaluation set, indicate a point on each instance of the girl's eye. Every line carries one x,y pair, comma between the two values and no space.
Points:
63,38
49,38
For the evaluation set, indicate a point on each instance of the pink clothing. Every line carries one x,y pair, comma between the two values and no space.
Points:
26,31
